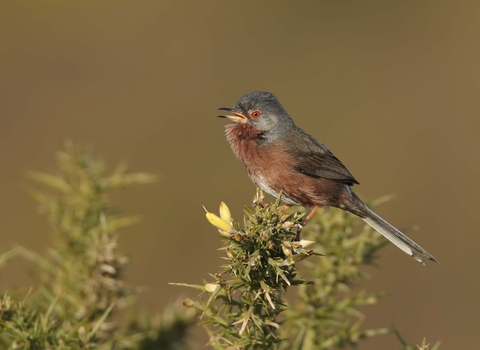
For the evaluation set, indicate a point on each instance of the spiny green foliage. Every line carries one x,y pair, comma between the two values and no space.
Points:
85,267
246,306
324,313
81,287
260,266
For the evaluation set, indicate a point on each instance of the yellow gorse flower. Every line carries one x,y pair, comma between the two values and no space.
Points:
225,212
223,223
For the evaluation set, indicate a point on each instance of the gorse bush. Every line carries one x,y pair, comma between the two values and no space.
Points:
81,288
245,306
260,267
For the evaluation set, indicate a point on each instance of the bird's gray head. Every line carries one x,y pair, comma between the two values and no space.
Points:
262,111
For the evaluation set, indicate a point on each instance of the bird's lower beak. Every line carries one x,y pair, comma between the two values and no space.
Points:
236,117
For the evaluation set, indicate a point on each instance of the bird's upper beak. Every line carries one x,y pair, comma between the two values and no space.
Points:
236,117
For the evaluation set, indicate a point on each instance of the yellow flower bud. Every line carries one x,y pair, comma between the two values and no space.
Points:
225,212
287,225
211,287
187,303
225,233
218,222
287,251
305,243
238,237
264,236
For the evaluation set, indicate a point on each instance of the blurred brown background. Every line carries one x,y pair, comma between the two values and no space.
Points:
392,87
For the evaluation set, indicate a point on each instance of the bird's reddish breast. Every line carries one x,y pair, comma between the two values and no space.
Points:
267,165
273,170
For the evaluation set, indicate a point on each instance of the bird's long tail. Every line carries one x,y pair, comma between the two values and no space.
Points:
396,237
389,231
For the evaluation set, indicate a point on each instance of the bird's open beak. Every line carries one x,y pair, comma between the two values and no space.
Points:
236,117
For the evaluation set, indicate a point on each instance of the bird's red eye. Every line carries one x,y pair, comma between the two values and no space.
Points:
255,114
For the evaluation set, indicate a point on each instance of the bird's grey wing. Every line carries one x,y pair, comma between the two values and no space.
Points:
313,158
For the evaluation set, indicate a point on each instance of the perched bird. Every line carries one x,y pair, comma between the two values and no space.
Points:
279,156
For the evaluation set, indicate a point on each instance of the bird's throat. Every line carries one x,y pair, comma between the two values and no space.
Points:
244,139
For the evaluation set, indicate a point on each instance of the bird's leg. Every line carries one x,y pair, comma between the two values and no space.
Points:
305,222
310,215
